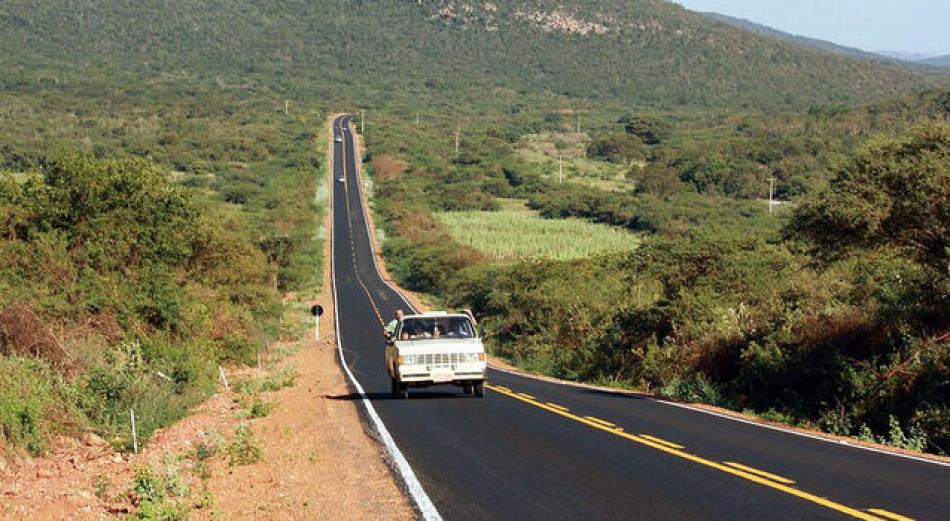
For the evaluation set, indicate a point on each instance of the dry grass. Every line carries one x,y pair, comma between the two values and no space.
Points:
386,166
23,333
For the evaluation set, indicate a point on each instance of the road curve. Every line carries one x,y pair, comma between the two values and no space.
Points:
537,450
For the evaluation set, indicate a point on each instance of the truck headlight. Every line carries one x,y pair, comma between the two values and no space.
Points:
408,360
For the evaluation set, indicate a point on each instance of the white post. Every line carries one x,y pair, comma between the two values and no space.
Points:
135,440
578,123
771,180
224,379
316,327
286,107
362,121
560,168
457,131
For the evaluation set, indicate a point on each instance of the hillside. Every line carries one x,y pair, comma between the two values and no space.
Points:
815,43
646,52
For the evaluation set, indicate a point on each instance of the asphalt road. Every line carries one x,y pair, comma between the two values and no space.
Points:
537,450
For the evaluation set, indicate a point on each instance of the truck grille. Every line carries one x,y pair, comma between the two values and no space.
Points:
442,359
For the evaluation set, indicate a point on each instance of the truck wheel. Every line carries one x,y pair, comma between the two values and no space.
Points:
399,390
479,389
467,388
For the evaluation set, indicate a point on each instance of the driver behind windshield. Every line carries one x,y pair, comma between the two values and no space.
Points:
459,328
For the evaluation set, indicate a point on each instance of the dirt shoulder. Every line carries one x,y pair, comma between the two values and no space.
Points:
285,441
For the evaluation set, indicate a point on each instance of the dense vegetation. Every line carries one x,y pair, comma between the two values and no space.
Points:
648,52
146,239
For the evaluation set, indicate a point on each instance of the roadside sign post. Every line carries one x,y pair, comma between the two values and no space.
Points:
316,310
135,438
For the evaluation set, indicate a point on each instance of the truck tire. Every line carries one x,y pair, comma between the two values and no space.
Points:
468,388
399,390
479,389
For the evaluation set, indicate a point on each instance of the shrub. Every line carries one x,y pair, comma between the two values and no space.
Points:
159,495
243,449
34,402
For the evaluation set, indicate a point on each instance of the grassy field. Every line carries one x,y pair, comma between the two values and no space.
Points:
545,148
517,234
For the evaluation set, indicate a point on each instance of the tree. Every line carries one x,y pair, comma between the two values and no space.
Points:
652,130
895,192
656,179
616,148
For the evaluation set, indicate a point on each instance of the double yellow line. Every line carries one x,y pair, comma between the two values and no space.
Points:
754,475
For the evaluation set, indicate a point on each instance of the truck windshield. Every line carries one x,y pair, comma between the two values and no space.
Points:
439,327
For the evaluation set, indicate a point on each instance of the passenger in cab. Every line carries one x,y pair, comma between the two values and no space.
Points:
390,329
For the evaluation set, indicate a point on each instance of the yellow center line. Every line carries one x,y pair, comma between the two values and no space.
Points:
528,396
664,442
556,406
889,515
764,474
349,218
818,500
602,422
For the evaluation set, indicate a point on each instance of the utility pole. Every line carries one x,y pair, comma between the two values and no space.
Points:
286,107
417,119
560,168
771,180
362,121
457,131
578,123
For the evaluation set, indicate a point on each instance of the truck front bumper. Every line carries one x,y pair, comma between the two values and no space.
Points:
454,374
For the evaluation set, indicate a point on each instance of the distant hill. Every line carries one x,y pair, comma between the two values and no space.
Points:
638,52
794,38
942,61
906,56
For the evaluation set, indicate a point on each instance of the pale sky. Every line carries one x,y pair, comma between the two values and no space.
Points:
920,26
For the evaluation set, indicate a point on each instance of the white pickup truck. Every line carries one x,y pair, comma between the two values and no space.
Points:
436,348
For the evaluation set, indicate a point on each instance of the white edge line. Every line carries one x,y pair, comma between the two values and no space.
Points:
607,389
418,494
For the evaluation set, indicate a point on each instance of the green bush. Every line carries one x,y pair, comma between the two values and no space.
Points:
160,495
34,402
159,383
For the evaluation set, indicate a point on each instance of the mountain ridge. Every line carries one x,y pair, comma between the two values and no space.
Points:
641,52
815,43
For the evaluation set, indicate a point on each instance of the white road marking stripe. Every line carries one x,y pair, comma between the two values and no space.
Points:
418,494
